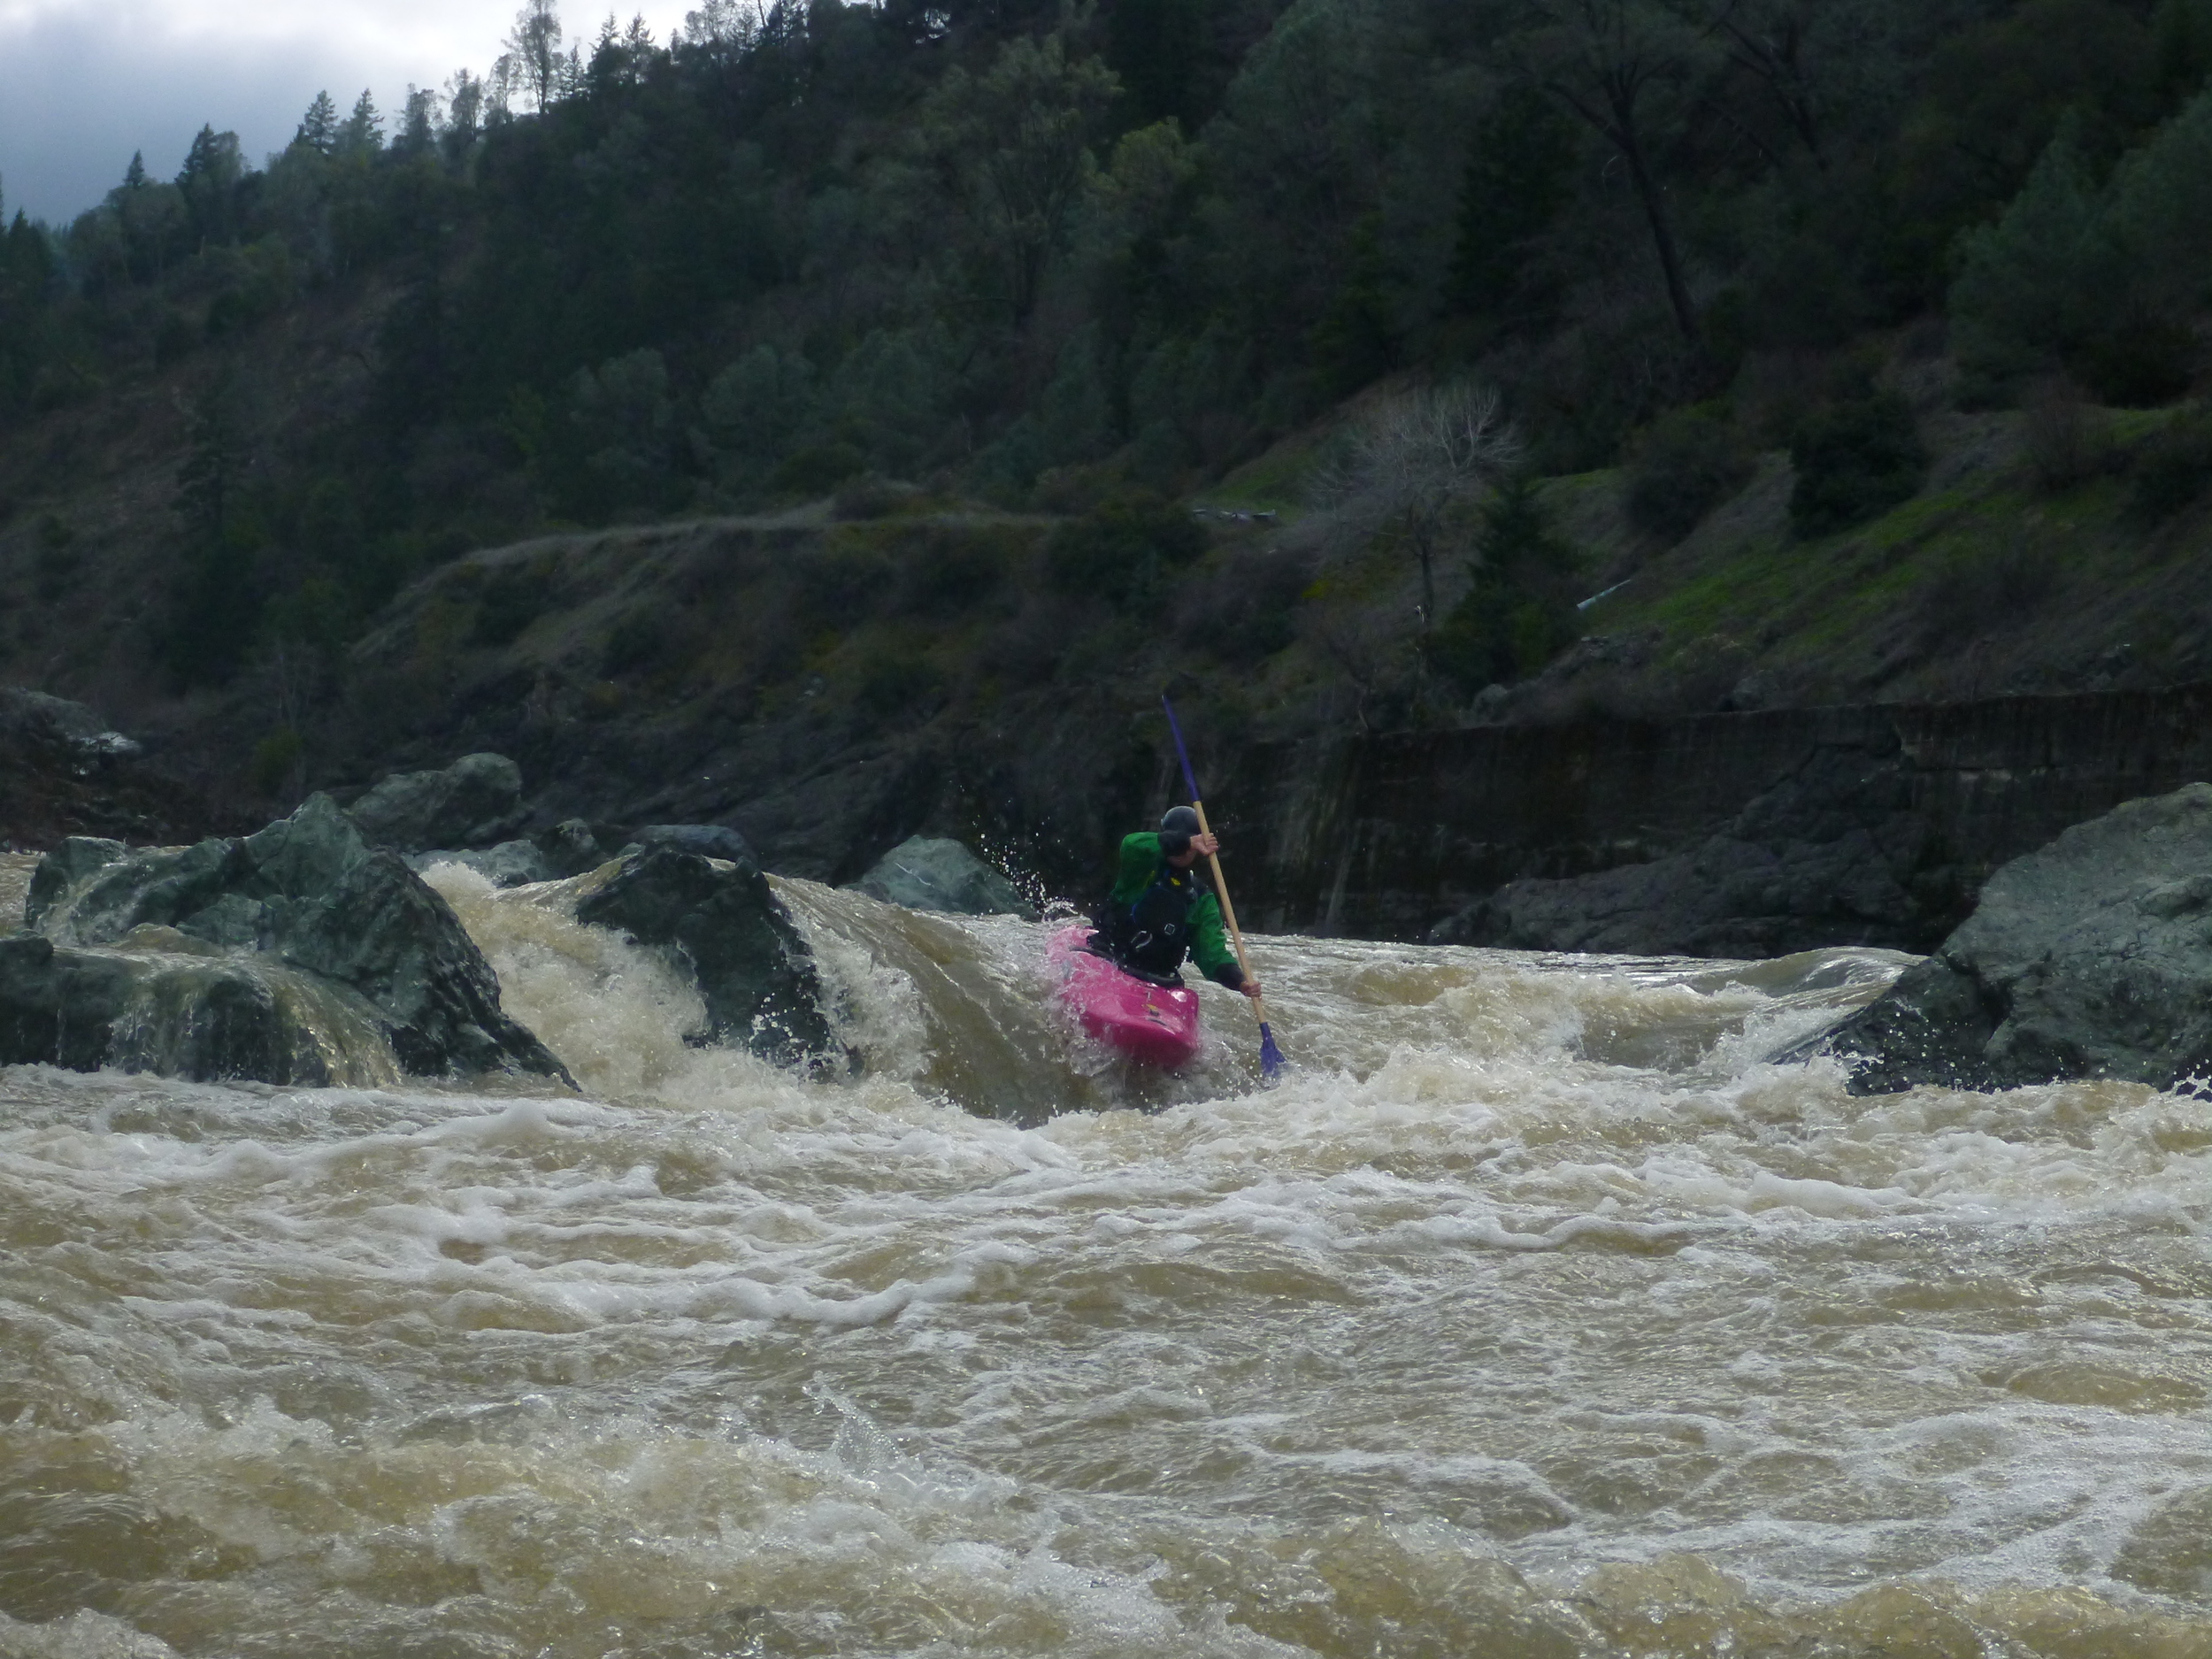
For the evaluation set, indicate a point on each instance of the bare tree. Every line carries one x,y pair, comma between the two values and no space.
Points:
535,45
1413,456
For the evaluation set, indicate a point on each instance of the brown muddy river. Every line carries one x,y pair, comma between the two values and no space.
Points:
1533,1315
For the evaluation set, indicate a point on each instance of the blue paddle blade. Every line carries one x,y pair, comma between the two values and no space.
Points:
1270,1056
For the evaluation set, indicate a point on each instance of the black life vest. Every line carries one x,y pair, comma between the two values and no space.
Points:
1152,935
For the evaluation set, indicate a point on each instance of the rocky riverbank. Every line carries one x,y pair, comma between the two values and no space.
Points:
2087,958
308,953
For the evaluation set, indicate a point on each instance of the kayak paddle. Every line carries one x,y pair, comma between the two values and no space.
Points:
1270,1056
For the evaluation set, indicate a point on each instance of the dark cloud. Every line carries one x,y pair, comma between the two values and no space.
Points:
78,96
83,86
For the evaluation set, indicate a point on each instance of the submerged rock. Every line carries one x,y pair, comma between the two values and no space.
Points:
287,955
473,803
75,858
2090,958
723,925
515,864
924,874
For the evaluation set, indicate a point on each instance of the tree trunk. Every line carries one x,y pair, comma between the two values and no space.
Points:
1622,100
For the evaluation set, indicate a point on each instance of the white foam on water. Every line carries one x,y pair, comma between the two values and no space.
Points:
1533,1303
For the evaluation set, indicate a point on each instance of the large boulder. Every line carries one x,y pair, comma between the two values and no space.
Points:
2090,958
168,1003
923,874
722,924
266,956
473,803
39,717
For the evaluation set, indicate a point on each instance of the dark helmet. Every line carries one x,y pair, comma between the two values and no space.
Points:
1177,827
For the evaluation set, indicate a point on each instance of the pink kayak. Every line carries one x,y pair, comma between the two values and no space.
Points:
1156,1024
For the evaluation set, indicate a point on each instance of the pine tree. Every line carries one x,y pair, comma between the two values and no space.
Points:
364,131
134,175
418,125
318,127
209,181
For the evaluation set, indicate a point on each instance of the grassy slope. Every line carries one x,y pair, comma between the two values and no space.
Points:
1983,584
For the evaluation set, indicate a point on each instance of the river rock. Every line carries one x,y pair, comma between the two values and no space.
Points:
708,840
2089,958
569,848
473,803
227,958
923,874
723,925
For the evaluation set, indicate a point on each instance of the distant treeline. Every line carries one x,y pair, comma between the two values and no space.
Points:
1035,251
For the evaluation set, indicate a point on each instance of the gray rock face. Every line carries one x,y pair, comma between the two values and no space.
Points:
36,715
267,958
473,803
2091,958
941,875
1835,851
726,926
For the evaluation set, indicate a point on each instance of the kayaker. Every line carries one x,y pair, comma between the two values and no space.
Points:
1162,908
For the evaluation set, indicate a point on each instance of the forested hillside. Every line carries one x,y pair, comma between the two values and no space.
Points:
1088,263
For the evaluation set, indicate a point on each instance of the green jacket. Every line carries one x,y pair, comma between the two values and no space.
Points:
1141,864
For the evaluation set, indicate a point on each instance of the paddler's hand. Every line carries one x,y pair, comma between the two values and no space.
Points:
1251,988
1205,846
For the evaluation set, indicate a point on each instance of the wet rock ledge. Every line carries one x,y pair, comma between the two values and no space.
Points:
313,953
296,954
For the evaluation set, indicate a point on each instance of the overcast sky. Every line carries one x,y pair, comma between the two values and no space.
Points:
83,83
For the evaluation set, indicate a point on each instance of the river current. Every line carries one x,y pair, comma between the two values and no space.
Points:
1534,1314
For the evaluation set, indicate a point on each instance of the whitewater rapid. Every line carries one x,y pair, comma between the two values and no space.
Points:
1534,1314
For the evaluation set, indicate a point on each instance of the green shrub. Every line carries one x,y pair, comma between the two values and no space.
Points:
274,757
512,599
1124,551
2139,364
636,642
898,684
1519,613
818,469
2173,468
2068,442
948,569
1687,463
1245,609
1856,459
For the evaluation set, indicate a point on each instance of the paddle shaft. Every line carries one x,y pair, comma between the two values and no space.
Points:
1229,911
